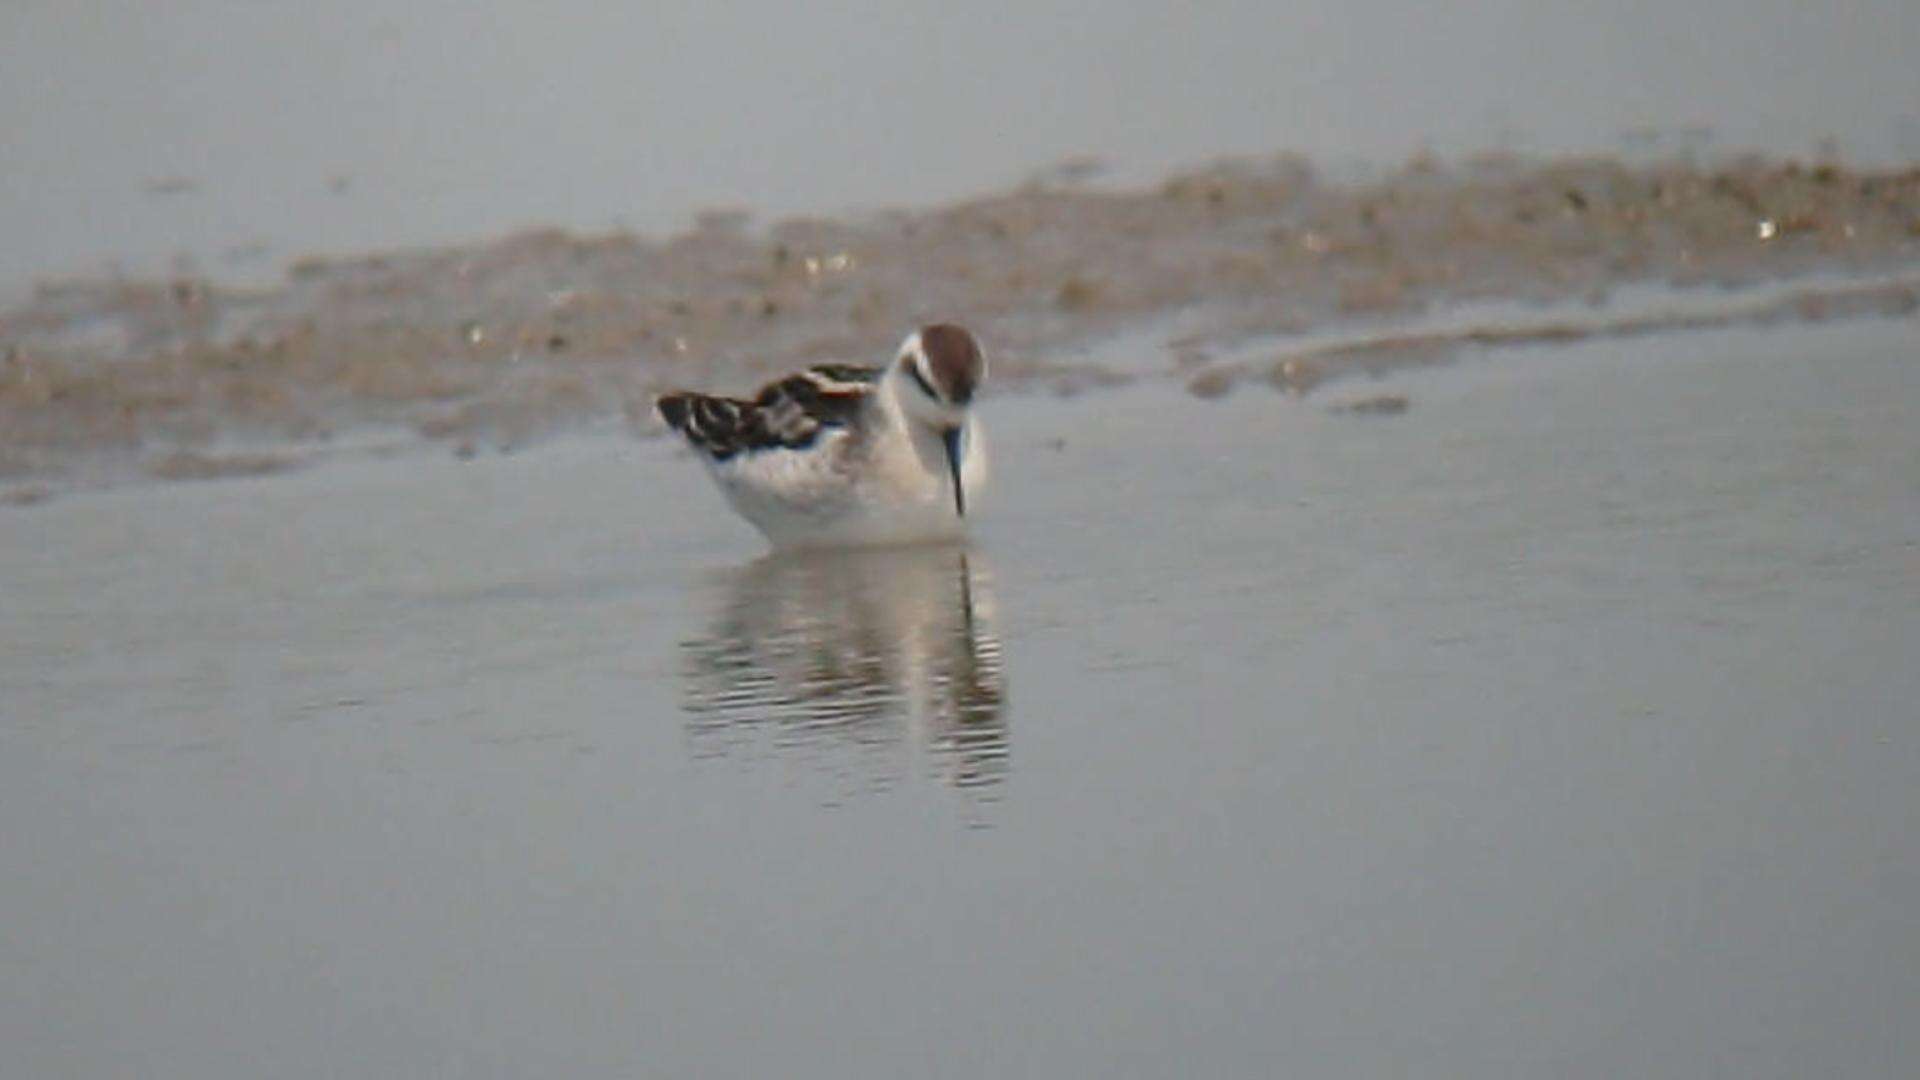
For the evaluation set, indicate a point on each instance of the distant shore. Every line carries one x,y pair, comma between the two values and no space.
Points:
494,344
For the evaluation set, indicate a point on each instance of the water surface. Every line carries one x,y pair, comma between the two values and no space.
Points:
245,136
1561,725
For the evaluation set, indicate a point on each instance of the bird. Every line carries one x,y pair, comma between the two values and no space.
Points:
844,455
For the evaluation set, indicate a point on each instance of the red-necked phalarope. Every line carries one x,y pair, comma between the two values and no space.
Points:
845,455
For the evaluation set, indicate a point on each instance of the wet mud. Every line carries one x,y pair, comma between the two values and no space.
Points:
491,346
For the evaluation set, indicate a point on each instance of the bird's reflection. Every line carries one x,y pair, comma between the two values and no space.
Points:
871,658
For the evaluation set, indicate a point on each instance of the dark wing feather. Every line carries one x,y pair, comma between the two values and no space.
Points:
786,415
844,373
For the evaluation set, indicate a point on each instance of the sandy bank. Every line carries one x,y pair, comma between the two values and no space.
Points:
495,344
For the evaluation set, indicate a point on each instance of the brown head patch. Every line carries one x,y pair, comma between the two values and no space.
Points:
954,360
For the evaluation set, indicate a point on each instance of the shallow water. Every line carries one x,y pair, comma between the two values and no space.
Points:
1562,724
240,138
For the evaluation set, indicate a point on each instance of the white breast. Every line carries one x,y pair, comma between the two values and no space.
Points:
880,484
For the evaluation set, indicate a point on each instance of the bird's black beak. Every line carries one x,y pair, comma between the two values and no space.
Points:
951,437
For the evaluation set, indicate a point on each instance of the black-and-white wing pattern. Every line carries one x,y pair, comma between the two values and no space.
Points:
787,414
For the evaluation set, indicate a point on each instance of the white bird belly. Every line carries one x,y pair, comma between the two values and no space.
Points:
847,491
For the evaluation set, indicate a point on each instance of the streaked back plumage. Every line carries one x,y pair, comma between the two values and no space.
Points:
787,414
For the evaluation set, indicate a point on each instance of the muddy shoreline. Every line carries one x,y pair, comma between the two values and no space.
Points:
493,345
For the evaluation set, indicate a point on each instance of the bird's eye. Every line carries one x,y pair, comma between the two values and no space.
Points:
919,380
